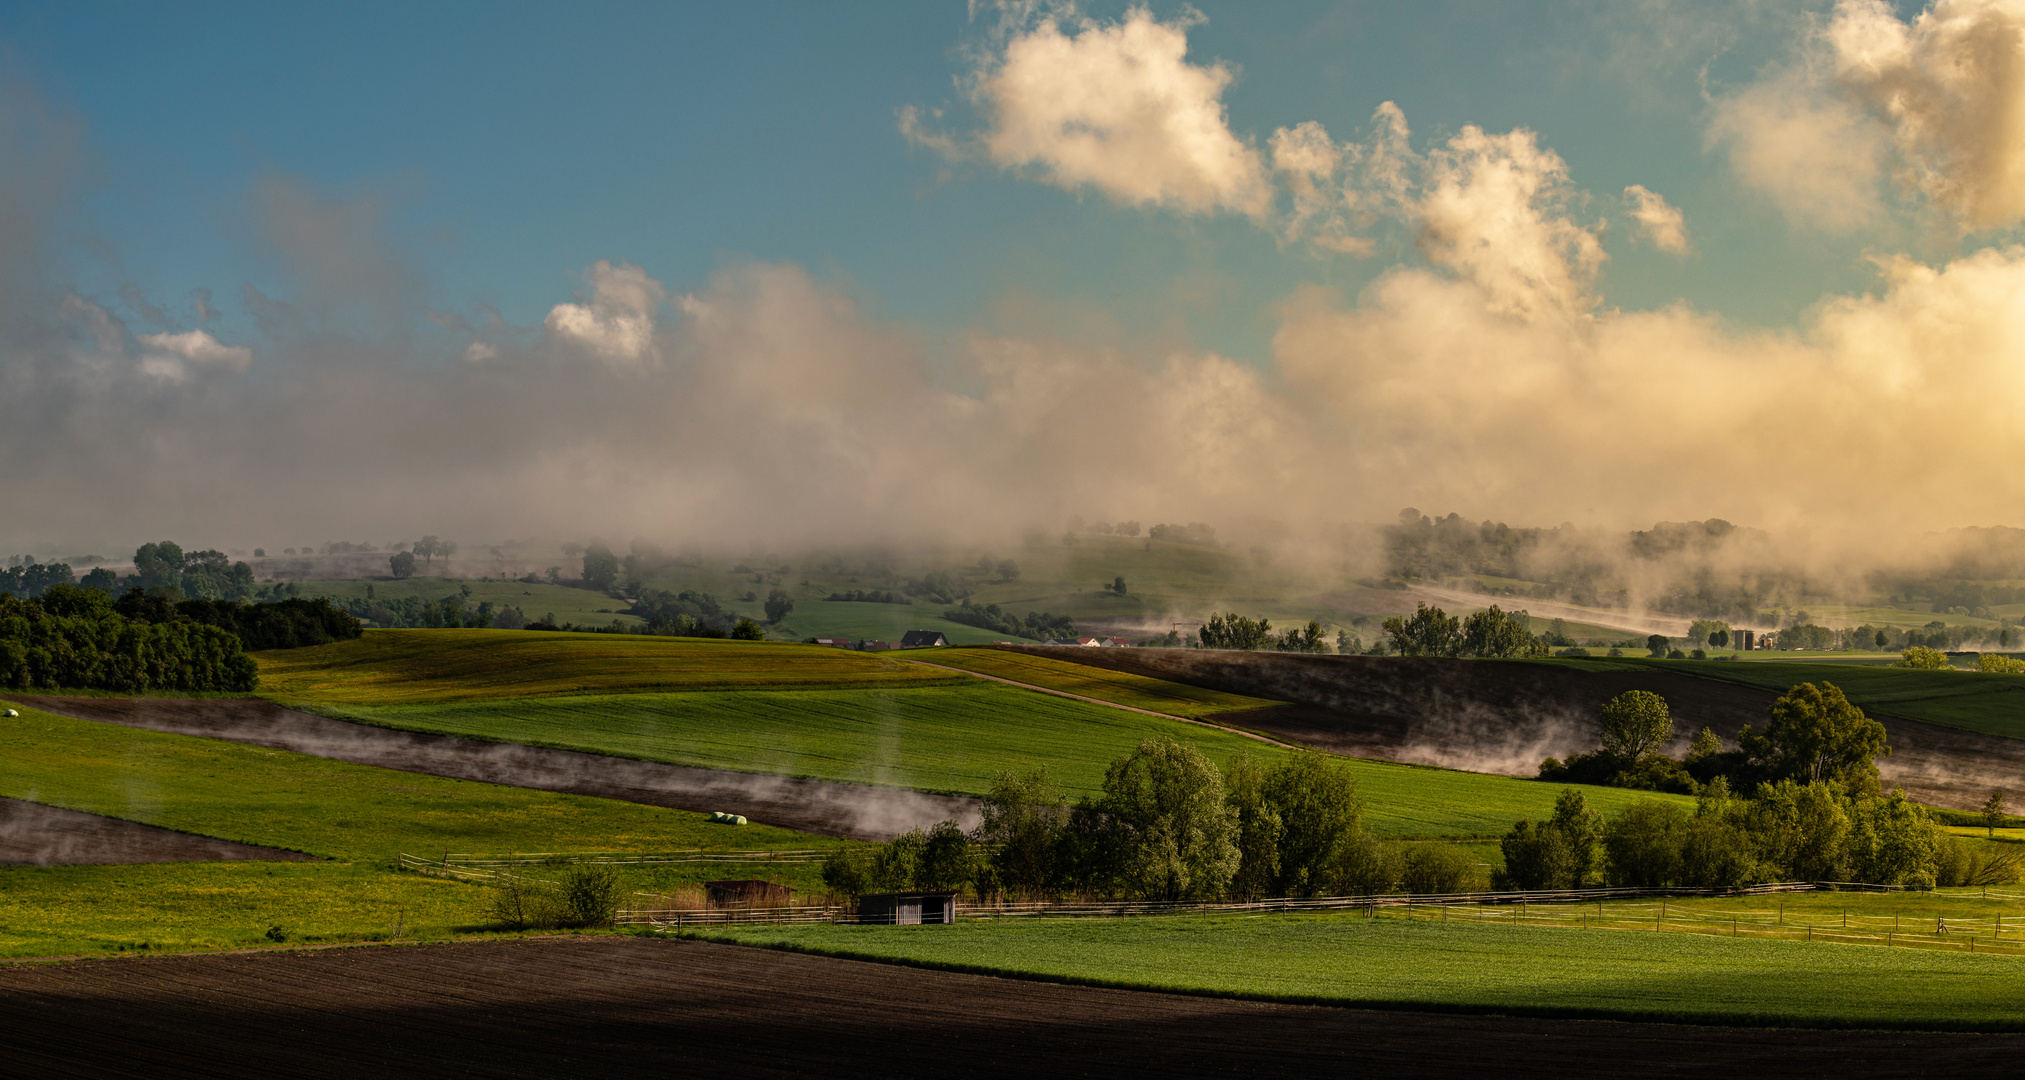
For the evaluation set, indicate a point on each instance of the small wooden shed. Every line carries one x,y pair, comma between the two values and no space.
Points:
747,893
907,908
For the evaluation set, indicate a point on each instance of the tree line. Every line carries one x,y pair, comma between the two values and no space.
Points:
72,638
1168,825
1036,625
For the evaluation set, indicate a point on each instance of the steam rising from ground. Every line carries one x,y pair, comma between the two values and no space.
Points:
1485,375
834,809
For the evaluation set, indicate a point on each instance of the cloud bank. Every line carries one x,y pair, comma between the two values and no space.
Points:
765,405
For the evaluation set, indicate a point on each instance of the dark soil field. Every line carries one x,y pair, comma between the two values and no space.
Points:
825,808
636,1006
32,834
1504,717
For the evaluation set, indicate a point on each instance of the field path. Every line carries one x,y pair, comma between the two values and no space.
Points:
1111,704
827,808
605,1005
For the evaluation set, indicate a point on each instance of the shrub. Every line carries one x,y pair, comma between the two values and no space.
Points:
2001,665
1438,868
591,896
1919,656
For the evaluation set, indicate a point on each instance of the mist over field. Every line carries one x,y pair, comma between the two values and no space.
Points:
1481,369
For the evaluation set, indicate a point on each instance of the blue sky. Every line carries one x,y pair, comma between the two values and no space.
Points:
515,144
518,268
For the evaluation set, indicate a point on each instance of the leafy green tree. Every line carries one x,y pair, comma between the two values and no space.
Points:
1429,631
428,548
1644,844
1536,857
601,567
945,858
1430,869
1494,634
158,566
1306,639
1580,827
747,630
1234,631
1920,656
1118,585
1706,745
402,564
1635,723
1892,842
778,605
1348,644
1315,797
1258,828
1024,815
1706,631
1993,812
1169,802
1008,570
1817,735
102,579
1657,645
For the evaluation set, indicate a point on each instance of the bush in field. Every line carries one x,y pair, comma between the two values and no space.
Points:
1234,631
591,896
1919,656
586,897
2001,665
1438,868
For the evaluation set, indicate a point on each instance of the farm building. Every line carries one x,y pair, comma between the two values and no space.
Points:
747,893
835,642
923,639
874,646
907,908
1743,639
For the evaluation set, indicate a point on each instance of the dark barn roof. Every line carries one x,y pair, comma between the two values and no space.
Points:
923,639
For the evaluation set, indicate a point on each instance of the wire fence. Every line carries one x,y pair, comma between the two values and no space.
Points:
1657,910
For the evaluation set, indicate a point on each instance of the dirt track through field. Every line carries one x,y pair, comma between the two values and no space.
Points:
830,809
642,1007
1502,717
32,834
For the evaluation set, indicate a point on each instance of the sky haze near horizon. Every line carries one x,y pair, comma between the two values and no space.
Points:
806,271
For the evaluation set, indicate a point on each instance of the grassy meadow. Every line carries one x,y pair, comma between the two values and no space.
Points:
1135,691
1425,962
386,667
820,713
356,817
585,607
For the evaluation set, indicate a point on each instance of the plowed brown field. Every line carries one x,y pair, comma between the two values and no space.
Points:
641,1007
1504,717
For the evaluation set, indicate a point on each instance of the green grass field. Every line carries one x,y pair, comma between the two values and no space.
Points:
1520,970
951,739
174,907
584,607
328,808
358,816
878,622
1136,691
395,666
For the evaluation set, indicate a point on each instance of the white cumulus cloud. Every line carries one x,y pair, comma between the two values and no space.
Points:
172,357
617,322
1951,86
1660,221
1119,108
